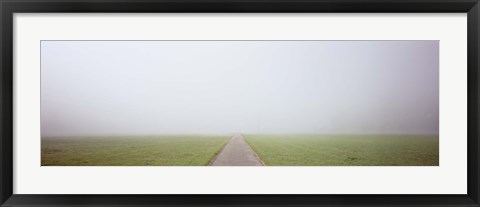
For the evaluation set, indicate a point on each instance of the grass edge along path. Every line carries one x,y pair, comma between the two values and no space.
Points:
214,157
255,152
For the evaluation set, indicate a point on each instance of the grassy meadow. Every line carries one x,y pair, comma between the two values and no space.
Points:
131,151
273,150
316,150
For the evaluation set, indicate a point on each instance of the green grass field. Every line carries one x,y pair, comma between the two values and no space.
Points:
288,150
315,150
131,151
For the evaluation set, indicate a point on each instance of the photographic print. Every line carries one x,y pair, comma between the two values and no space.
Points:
240,103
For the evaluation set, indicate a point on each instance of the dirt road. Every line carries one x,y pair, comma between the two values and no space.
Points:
236,152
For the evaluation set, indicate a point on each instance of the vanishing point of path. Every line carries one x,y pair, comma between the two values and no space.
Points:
236,152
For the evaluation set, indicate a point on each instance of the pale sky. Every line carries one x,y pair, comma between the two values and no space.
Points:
215,87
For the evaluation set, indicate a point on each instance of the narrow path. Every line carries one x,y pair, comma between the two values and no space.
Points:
236,152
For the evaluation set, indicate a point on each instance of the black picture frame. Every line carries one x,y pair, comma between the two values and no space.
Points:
9,7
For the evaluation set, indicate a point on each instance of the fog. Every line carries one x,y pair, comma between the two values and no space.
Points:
224,87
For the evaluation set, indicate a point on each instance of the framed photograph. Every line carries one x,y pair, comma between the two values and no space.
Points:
239,103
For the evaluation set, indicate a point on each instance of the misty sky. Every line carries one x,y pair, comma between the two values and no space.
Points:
211,87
